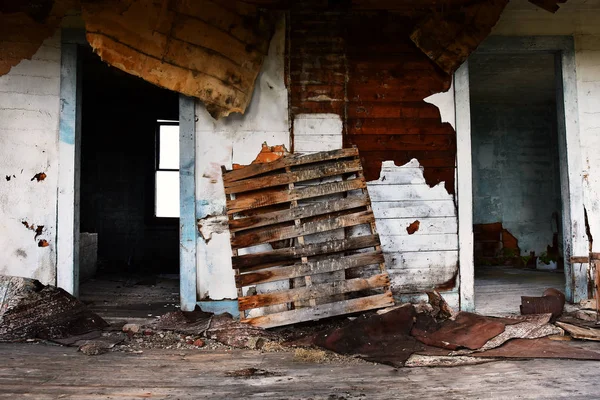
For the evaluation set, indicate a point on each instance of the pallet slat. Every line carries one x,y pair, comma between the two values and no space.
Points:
314,292
263,200
289,161
322,171
251,261
310,210
322,311
269,235
309,268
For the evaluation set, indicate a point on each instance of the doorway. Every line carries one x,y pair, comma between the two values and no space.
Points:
517,205
129,193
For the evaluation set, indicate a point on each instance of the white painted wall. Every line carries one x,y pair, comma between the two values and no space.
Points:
29,109
579,18
235,139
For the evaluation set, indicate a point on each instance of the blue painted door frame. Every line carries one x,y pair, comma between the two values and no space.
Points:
67,265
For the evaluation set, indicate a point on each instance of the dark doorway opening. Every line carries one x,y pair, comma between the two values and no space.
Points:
129,255
517,210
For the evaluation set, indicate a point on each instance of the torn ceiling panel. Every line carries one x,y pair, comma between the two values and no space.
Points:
203,49
25,25
449,37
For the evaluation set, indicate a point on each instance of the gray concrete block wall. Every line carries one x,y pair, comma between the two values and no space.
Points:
88,255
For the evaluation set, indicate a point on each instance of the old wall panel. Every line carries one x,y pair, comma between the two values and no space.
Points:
203,49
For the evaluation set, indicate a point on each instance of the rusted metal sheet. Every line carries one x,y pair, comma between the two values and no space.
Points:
378,338
304,206
552,301
468,330
448,37
205,49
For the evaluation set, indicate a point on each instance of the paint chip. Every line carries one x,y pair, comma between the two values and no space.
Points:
43,243
40,176
412,228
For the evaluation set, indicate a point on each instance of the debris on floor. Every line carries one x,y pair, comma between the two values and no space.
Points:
580,332
552,301
30,310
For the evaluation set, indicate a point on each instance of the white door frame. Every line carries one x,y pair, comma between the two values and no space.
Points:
575,241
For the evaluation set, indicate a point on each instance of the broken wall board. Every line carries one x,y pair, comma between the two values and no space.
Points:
204,49
286,200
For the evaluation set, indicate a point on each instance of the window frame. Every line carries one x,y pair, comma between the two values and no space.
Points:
159,124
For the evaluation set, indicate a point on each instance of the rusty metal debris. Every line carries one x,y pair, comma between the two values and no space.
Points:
285,199
552,301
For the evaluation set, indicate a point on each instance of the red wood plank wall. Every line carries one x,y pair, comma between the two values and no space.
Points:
364,67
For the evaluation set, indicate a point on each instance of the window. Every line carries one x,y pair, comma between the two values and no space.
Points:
167,170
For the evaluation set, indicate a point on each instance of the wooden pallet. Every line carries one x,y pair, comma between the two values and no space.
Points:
282,202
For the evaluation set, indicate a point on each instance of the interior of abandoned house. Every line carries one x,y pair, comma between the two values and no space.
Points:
475,123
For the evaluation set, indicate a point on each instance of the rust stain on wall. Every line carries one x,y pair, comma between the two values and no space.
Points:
40,176
205,49
413,227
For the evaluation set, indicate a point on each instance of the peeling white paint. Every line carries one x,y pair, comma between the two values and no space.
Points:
444,101
235,139
29,113
429,256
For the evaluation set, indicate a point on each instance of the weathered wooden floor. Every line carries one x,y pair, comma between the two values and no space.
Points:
49,372
498,290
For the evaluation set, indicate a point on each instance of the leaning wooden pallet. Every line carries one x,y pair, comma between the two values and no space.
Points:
286,199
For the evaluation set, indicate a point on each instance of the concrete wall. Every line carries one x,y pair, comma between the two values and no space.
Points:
578,18
235,139
29,113
515,147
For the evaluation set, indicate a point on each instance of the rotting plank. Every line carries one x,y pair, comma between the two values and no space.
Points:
246,261
322,311
314,291
258,169
321,171
249,203
309,268
269,234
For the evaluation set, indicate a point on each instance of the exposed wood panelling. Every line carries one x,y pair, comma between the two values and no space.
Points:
363,67
205,49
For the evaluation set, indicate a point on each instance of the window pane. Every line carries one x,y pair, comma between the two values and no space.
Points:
167,194
169,147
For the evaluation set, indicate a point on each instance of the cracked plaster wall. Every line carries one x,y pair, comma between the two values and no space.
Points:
29,113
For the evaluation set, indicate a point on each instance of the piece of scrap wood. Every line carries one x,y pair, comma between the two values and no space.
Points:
578,332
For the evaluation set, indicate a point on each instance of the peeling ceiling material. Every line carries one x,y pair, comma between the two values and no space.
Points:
209,50
25,25
448,37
